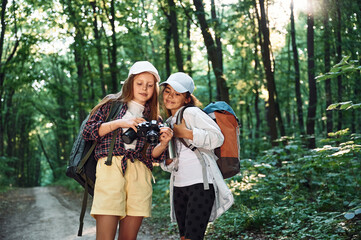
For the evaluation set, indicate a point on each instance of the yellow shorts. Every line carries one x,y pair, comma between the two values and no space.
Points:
118,195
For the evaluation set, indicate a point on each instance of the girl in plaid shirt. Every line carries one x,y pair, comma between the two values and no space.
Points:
123,190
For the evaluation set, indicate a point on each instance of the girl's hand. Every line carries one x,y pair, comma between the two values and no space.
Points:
166,135
181,131
130,123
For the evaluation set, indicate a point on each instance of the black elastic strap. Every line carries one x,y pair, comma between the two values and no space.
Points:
114,111
83,208
85,158
111,148
190,146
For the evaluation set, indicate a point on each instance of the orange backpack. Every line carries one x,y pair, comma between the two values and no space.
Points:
228,154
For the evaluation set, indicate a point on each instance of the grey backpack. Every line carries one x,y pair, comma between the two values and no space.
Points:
82,164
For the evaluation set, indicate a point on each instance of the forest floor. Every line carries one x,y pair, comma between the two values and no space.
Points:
52,213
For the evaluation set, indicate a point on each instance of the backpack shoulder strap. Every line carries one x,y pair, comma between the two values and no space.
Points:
114,111
179,121
180,115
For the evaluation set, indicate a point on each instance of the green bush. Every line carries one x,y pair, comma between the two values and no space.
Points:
7,172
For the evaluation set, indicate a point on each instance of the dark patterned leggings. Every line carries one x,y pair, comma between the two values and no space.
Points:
193,206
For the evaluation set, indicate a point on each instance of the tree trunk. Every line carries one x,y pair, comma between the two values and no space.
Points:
217,34
98,46
338,59
189,49
149,30
78,48
10,122
312,102
175,35
297,74
256,36
210,90
222,89
80,65
271,87
113,63
51,165
2,74
167,50
327,43
3,29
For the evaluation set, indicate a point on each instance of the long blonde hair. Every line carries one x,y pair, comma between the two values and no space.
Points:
127,94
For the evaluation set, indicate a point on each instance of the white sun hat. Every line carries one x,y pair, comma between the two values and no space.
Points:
143,66
180,82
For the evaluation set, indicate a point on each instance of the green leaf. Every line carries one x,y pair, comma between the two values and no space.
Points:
349,215
358,211
345,105
333,106
358,105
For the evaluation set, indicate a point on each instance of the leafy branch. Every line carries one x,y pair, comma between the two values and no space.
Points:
343,67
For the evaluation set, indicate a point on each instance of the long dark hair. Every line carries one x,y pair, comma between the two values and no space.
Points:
194,102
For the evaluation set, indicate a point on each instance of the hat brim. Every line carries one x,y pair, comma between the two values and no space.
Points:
157,78
176,86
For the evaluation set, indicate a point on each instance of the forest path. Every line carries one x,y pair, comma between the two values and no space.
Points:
47,213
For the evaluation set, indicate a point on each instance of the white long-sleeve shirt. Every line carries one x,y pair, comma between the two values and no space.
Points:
206,137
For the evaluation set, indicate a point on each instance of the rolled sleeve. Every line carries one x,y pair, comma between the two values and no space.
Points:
161,158
206,133
91,129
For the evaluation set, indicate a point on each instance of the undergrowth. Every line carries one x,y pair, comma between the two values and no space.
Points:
289,192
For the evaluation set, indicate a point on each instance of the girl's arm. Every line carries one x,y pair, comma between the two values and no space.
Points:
96,127
166,135
200,129
181,131
108,127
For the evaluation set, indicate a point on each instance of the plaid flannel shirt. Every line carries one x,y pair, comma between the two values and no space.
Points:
91,133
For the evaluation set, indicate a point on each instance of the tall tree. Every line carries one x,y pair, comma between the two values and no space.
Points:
338,59
79,53
7,52
222,89
175,35
297,73
217,34
312,102
267,64
327,43
98,45
113,63
188,66
168,39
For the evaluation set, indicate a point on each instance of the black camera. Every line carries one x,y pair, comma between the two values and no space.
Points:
149,130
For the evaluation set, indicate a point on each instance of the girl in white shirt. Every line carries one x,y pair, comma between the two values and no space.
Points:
192,204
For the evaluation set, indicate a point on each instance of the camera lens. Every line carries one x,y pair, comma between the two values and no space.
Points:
129,136
152,137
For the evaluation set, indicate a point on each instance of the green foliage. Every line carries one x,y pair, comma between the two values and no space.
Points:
295,193
7,171
161,208
69,184
344,106
344,67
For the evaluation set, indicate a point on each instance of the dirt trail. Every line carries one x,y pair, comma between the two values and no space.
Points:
46,213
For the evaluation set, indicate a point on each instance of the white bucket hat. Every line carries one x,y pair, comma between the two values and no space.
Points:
180,82
143,66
